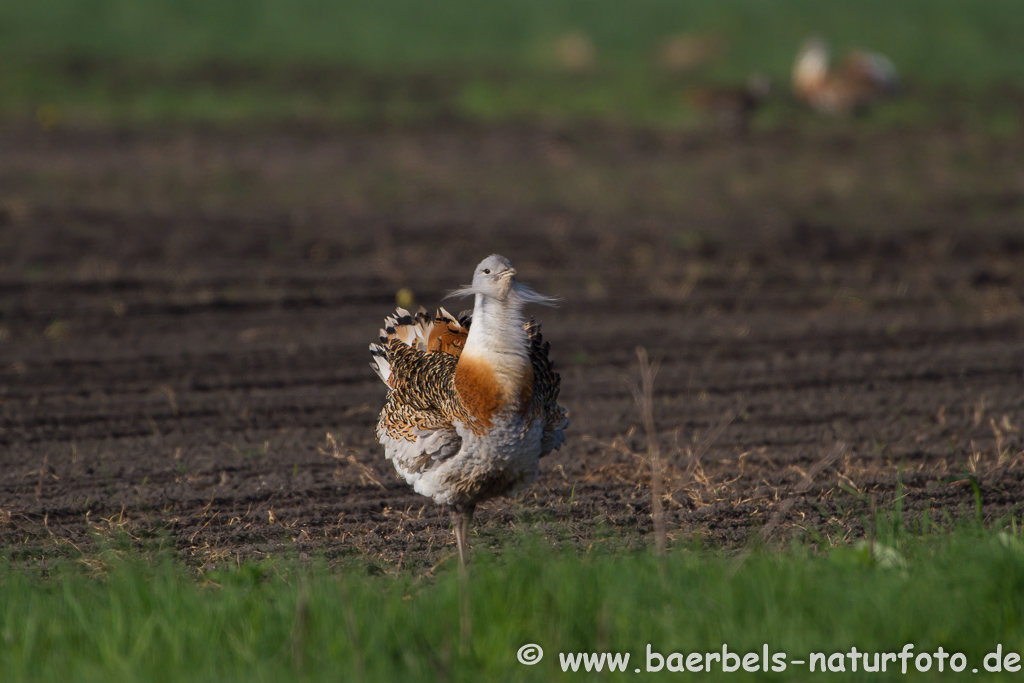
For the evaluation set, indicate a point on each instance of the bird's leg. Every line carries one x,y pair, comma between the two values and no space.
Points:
467,520
462,516
457,516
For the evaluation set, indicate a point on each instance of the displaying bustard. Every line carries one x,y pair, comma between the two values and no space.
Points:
472,402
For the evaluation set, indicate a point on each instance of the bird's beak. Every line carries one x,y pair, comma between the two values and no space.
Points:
510,273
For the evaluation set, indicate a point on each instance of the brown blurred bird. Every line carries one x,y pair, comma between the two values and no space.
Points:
735,106
861,80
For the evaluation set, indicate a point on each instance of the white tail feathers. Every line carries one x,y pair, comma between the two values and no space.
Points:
444,333
411,330
379,362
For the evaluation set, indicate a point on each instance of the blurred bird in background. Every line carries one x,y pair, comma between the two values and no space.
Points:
860,81
733,106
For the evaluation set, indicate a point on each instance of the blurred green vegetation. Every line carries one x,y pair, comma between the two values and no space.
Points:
935,40
237,60
118,615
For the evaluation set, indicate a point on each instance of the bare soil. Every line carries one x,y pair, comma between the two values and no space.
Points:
184,316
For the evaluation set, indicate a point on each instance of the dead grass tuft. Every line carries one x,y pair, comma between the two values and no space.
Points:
347,456
644,395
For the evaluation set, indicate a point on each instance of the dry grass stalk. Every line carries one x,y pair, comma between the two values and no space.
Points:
694,482
837,452
45,471
813,471
644,395
336,449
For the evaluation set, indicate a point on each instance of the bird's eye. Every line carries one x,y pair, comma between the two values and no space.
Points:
487,271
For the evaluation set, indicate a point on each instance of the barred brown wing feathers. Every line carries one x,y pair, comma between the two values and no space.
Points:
422,380
417,437
416,423
546,385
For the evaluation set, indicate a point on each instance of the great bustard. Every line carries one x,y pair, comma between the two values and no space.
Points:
860,81
472,402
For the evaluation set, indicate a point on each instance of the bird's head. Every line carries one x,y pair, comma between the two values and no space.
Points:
495,278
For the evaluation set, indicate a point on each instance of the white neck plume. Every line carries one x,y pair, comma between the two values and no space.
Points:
497,337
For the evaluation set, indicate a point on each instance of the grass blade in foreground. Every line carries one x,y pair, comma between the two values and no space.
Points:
144,620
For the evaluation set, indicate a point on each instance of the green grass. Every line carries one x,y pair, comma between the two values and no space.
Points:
239,60
129,617
937,38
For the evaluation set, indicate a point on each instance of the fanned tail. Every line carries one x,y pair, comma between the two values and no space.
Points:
444,334
448,333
